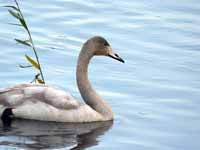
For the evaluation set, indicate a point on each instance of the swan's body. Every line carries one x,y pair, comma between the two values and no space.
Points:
42,102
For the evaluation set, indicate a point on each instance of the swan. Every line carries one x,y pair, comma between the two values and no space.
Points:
47,103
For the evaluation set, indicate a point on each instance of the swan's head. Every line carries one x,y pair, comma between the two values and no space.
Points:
99,46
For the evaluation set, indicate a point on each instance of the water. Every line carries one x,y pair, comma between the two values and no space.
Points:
155,94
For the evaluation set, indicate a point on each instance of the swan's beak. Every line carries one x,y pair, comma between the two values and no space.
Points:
115,56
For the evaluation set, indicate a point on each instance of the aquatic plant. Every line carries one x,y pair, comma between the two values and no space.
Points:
16,12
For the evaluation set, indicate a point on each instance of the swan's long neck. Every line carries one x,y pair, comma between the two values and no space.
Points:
87,92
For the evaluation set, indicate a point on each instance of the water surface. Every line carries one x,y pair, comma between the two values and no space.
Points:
155,94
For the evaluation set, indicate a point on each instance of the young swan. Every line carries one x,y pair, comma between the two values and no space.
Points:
46,103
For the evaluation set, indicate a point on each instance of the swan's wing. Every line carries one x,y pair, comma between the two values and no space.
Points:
20,94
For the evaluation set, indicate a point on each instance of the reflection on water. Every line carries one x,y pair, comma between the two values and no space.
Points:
28,134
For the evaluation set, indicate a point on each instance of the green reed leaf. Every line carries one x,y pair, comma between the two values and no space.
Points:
25,42
15,24
33,62
40,81
25,66
14,14
23,23
13,7
15,11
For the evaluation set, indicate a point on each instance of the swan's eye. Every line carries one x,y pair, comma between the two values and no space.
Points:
116,55
106,43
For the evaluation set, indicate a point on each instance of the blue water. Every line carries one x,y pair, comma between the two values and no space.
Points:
155,94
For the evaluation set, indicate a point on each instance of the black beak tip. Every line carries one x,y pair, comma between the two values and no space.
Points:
121,60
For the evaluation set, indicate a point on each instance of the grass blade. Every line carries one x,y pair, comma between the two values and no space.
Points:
15,24
40,81
15,11
23,23
33,62
14,14
13,7
23,42
25,66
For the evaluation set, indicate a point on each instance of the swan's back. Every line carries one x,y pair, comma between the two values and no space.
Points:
46,103
20,94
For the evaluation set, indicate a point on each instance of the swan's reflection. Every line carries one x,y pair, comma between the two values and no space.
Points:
30,134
